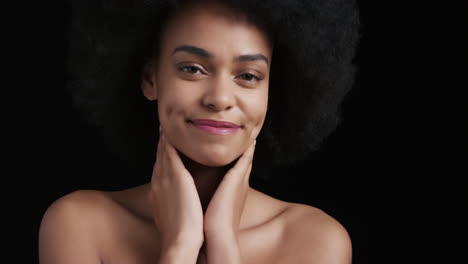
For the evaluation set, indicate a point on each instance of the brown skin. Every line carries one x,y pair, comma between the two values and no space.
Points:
218,88
199,190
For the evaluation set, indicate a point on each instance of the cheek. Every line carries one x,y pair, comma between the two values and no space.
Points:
261,106
174,99
169,109
256,108
172,96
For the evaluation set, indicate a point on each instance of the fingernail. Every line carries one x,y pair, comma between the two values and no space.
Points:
255,142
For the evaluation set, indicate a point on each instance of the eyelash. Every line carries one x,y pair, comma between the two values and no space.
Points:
253,76
183,68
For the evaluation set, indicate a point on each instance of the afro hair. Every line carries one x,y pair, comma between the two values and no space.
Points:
311,73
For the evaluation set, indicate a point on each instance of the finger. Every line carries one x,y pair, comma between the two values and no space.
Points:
242,165
160,149
247,157
173,157
247,174
161,155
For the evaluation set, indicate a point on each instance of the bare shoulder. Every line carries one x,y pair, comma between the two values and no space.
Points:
313,236
70,227
81,207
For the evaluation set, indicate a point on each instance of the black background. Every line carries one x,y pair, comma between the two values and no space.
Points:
387,174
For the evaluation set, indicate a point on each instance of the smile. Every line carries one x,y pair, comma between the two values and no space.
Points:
214,127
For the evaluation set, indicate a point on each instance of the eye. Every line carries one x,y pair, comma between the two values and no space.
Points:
250,77
189,69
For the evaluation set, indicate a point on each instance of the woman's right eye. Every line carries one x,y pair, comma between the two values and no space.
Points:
189,69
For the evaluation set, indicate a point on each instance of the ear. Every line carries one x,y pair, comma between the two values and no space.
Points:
148,81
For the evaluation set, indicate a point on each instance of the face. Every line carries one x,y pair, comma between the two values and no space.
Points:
212,65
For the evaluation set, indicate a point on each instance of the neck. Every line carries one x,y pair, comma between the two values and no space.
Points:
206,179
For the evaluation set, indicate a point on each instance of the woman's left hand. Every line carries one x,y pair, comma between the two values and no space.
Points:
223,214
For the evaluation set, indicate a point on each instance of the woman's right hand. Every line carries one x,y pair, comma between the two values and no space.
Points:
176,206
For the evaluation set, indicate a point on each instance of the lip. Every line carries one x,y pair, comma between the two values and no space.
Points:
215,127
214,123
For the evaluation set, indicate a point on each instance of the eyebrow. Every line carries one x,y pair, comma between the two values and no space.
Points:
204,53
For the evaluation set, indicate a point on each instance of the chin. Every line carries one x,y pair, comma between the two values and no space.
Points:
213,162
212,157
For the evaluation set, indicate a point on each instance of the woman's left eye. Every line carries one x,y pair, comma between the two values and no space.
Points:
249,77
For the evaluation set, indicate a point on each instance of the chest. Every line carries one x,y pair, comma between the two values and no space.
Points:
137,242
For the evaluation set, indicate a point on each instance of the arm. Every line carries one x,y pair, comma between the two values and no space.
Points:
175,255
176,207
223,215
223,250
213,251
64,236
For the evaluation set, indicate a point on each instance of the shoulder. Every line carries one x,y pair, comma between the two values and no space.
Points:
312,236
78,207
72,220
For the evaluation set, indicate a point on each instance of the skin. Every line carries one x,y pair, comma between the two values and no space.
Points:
198,207
201,73
216,87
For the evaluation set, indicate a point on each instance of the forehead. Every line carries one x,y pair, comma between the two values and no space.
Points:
213,26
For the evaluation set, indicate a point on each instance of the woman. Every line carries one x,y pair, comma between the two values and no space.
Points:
213,70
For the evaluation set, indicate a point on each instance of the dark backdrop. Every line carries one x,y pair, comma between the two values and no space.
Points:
387,173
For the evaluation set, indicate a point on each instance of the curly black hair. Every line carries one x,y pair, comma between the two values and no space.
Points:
311,73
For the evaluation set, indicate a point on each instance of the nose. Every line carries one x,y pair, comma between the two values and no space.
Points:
219,94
